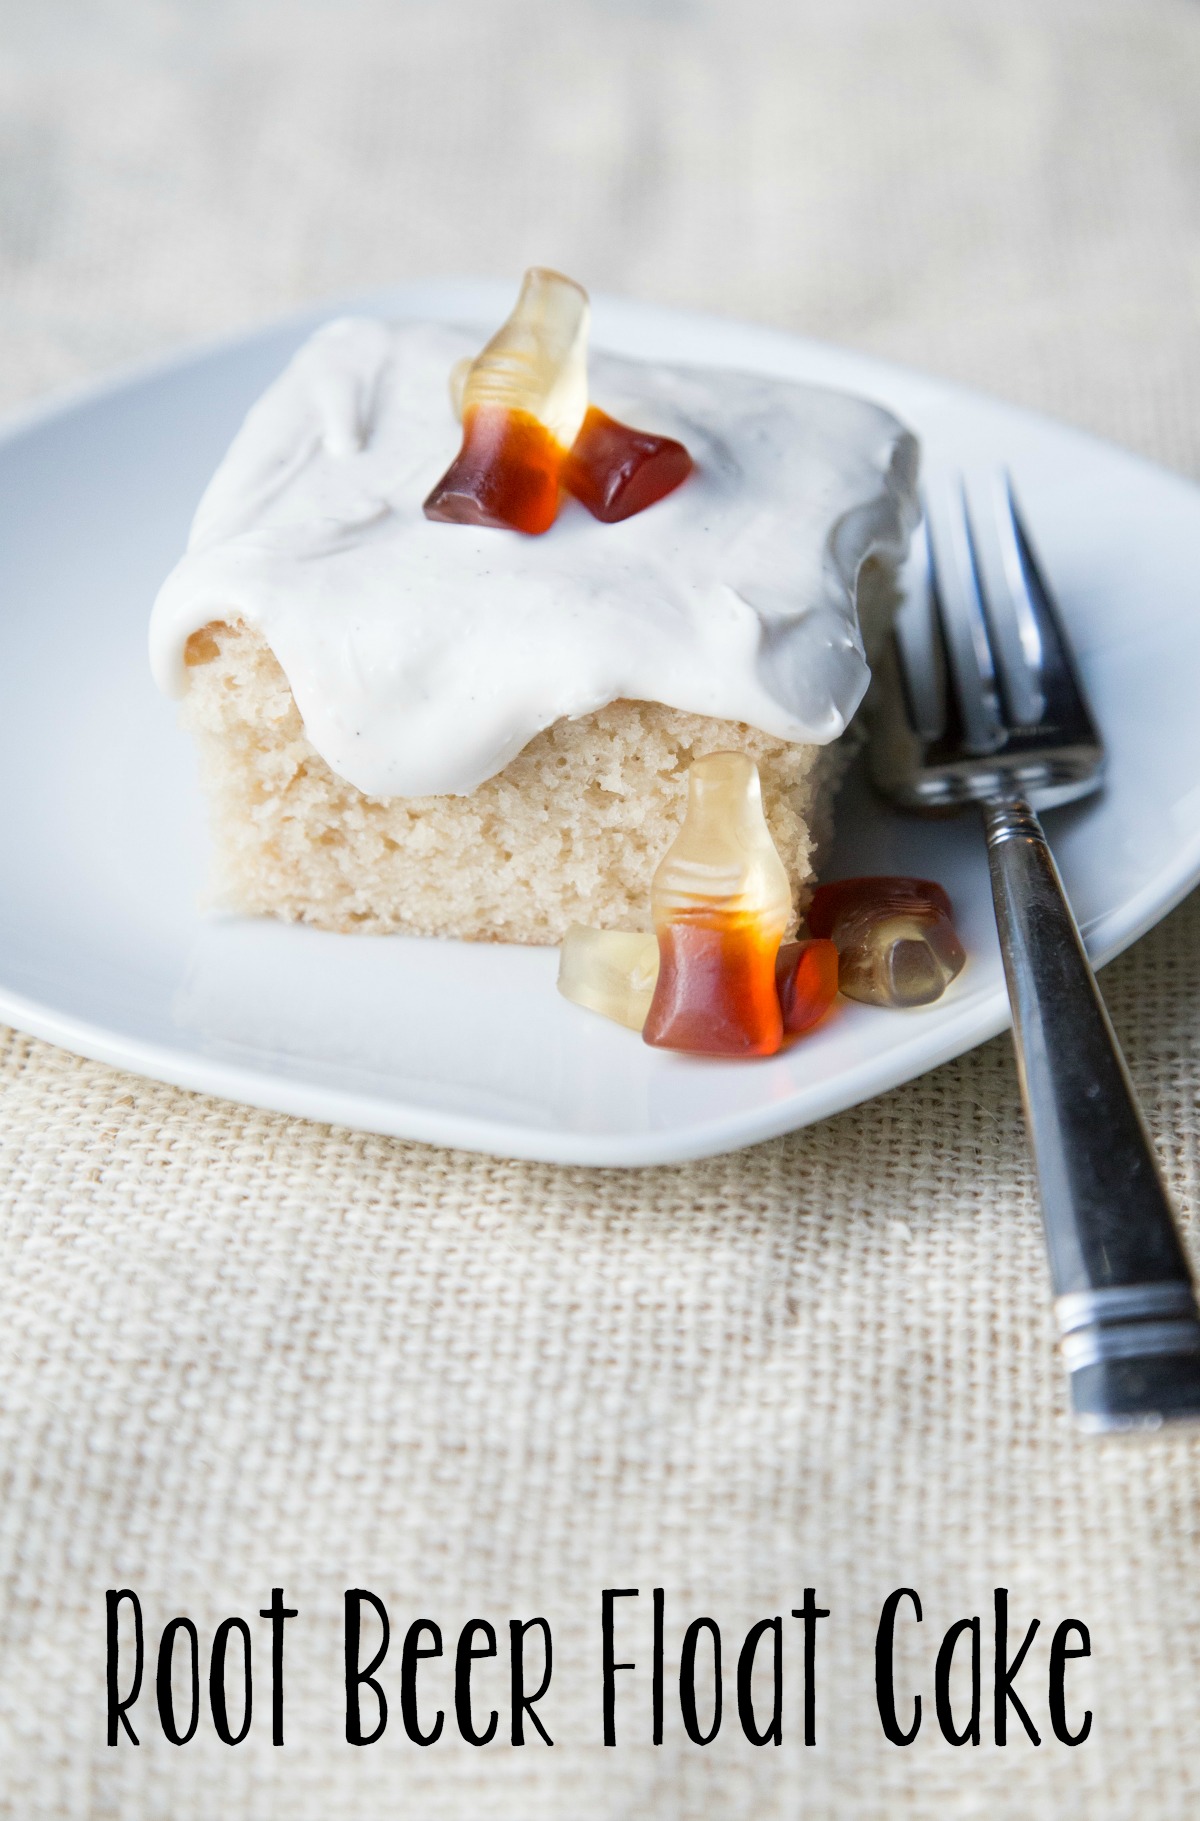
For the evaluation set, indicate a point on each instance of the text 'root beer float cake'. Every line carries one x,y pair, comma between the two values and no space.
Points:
467,706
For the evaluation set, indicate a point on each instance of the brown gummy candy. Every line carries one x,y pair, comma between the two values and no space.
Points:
615,471
895,937
806,980
715,993
505,475
721,900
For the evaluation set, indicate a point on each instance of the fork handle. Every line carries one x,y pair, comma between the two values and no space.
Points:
1123,1290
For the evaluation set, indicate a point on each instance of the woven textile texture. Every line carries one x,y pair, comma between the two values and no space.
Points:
241,1351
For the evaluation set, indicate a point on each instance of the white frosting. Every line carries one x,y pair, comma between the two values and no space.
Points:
424,656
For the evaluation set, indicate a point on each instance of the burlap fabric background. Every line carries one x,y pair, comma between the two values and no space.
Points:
240,1350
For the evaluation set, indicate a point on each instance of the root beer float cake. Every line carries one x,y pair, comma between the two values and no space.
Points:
448,677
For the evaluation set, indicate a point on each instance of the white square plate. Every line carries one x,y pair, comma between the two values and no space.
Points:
102,948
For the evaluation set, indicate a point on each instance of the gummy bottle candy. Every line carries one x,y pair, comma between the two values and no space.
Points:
523,400
611,971
896,940
615,471
806,979
721,902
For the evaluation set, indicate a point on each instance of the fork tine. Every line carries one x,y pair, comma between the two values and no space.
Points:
956,599
1012,618
1057,651
919,645
1065,707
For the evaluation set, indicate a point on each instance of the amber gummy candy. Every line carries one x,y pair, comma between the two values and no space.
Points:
895,938
806,980
615,471
721,902
523,401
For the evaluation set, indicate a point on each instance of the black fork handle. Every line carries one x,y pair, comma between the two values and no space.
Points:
1123,1289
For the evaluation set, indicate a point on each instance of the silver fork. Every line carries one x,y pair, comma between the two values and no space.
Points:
980,704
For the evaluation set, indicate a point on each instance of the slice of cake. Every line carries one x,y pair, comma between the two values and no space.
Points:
453,729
